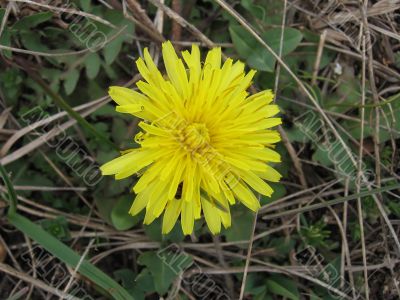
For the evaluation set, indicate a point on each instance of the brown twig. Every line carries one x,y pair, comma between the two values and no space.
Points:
176,28
144,22
183,23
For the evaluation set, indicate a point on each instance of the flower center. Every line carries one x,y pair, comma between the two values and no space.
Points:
194,137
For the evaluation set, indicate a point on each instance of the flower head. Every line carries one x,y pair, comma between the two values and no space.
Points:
205,143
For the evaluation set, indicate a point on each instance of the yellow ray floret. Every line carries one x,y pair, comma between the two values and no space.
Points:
205,142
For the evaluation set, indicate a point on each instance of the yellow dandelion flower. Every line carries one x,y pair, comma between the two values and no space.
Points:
205,143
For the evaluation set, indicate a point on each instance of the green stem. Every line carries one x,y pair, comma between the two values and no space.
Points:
60,102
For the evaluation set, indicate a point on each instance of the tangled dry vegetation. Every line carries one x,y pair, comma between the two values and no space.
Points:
331,229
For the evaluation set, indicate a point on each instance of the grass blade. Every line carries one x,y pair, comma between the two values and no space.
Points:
60,102
69,256
59,249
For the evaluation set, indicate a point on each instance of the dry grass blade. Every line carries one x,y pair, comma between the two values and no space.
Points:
69,11
37,283
144,21
28,148
185,24
45,121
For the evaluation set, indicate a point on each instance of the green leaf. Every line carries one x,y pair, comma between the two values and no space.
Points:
120,216
5,40
283,286
321,155
154,232
110,72
261,60
256,10
57,227
92,65
315,234
244,43
11,81
85,4
144,281
104,205
126,277
291,39
394,208
124,34
261,293
256,55
112,49
118,130
70,81
295,134
331,273
355,231
241,227
32,21
279,192
165,266
137,286
308,54
31,41
282,246
255,286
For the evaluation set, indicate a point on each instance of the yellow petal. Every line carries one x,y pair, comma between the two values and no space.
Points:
114,166
139,203
176,180
213,58
154,129
125,96
171,215
225,214
192,60
244,163
149,217
130,108
256,182
147,177
188,182
265,96
212,216
245,195
175,69
265,154
270,174
129,170
158,198
187,217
